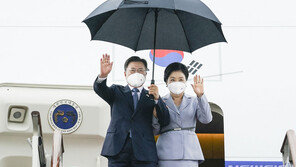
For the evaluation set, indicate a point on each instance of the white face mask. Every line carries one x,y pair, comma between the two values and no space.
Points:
136,79
177,87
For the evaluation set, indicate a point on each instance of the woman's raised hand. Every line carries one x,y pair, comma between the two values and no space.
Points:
198,86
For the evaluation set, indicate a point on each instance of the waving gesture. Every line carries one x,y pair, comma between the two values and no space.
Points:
106,66
198,86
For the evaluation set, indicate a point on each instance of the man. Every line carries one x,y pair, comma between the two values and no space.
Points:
129,141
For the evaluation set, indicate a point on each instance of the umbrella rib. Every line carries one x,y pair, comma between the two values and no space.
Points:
141,30
219,29
183,30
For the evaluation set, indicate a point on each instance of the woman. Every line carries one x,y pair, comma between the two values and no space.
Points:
178,145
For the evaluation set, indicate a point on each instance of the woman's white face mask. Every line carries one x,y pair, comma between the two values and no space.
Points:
177,87
136,79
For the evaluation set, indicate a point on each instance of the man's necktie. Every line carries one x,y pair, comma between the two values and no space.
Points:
135,97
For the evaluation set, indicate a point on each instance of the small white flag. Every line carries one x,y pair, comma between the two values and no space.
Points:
57,149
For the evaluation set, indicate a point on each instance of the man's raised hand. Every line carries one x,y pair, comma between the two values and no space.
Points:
106,65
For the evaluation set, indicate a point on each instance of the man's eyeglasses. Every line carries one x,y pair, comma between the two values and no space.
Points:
139,70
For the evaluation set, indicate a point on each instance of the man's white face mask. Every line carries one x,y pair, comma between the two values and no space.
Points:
136,79
177,87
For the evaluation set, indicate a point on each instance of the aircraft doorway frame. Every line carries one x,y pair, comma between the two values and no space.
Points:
211,138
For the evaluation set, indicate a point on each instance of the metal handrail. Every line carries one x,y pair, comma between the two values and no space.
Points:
288,148
38,157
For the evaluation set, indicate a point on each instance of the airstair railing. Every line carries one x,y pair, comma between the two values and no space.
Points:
38,154
288,149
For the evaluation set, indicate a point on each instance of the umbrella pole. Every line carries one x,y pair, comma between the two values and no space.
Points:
152,80
153,66
155,26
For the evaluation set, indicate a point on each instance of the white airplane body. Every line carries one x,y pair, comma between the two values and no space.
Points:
47,62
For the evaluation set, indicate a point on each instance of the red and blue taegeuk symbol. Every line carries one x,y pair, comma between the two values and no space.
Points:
165,57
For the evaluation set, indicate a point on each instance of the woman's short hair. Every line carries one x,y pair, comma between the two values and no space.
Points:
175,67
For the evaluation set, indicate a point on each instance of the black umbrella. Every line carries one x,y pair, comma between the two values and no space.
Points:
184,25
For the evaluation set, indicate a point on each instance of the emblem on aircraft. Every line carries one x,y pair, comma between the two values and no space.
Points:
65,115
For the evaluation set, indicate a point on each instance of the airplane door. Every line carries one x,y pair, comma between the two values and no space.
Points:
211,138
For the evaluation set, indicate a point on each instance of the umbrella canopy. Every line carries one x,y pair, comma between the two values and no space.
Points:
184,25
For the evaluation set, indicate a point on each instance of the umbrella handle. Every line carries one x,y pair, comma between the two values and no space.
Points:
152,81
150,95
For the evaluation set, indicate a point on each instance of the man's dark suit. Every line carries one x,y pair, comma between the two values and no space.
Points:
125,119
